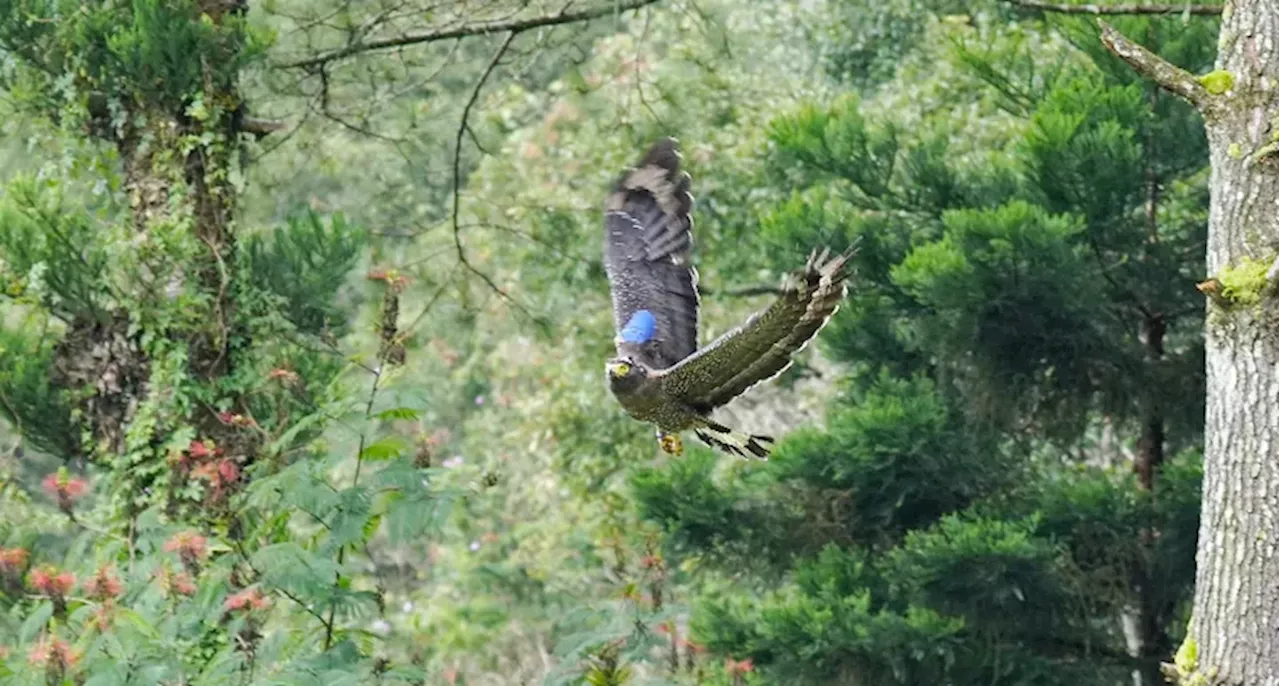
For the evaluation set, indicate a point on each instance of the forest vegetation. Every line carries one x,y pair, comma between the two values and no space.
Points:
303,322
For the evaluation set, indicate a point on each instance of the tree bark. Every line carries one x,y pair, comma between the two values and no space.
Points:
1234,637
1234,625
1151,618
1152,639
169,179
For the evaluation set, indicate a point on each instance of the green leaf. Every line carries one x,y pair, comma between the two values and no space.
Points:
106,677
287,437
383,449
290,566
397,413
36,621
137,622
350,522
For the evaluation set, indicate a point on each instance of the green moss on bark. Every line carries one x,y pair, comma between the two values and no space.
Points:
1217,81
1245,282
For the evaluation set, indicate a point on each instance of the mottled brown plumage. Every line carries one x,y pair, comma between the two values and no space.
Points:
659,375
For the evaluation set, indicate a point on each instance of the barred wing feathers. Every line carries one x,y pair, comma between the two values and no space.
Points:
762,347
648,236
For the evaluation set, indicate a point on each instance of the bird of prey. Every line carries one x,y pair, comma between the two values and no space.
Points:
659,374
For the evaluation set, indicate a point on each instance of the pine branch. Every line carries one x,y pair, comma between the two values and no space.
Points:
1063,8
514,26
1165,74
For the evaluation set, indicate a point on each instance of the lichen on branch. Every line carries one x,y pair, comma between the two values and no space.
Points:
1167,75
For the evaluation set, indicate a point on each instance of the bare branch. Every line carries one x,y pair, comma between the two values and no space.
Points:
1063,8
529,237
413,324
514,26
457,142
457,179
471,133
743,292
1167,75
261,127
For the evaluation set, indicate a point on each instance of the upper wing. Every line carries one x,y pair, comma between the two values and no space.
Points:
762,347
648,235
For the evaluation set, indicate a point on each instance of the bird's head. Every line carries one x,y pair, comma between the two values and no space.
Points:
625,374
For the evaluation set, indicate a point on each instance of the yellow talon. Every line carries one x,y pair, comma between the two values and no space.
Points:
671,444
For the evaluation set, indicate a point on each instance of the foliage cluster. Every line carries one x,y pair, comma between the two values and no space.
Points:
956,520
417,475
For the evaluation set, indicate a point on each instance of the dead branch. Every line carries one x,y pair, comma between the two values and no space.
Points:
513,26
1062,8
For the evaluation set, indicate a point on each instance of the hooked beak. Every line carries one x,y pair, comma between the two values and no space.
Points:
618,370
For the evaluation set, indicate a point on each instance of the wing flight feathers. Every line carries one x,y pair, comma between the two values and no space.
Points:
648,236
763,346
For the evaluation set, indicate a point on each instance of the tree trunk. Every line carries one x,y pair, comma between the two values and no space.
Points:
1233,638
176,166
1234,625
1153,641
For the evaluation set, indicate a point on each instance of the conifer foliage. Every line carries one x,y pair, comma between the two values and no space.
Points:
967,515
280,405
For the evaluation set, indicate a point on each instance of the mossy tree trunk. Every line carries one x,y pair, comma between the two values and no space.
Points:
1234,620
161,88
1233,638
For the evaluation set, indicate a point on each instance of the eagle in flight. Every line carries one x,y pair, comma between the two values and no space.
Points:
659,374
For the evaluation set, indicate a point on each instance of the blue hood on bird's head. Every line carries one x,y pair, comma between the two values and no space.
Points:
640,328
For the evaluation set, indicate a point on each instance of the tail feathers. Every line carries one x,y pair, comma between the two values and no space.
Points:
744,445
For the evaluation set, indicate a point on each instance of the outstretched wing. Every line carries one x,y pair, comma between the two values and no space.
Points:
648,235
762,347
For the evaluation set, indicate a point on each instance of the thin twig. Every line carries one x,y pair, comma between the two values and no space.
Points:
355,481
1115,283
457,179
644,34
244,556
529,237
482,28
457,142
383,355
13,413
744,292
430,302
304,606
224,280
1063,8
471,133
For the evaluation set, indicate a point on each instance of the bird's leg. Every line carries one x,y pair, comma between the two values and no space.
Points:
670,443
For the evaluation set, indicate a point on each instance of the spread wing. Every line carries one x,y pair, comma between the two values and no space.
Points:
762,347
648,236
